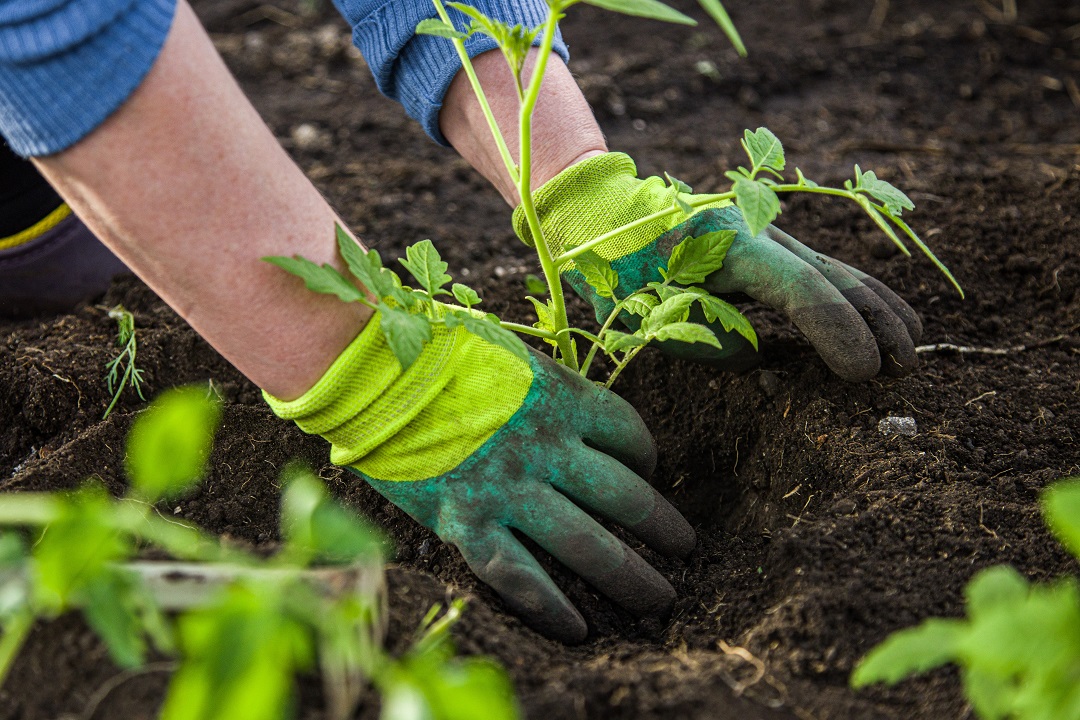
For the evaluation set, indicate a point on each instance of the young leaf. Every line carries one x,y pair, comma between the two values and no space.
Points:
315,525
895,201
689,333
405,332
543,314
112,609
652,9
640,304
664,291
679,185
1061,508
535,286
909,651
758,202
169,444
686,208
696,258
495,334
764,149
994,588
366,266
803,180
598,273
615,341
325,279
728,315
434,26
465,295
720,16
673,310
424,263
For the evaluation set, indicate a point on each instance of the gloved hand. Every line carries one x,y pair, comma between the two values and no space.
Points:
857,324
472,442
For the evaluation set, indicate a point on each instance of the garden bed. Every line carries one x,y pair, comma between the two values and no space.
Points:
818,534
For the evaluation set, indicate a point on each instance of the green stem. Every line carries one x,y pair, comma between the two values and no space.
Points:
547,263
630,355
481,97
15,633
607,325
527,330
697,201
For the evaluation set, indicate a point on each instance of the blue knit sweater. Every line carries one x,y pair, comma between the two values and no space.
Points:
66,65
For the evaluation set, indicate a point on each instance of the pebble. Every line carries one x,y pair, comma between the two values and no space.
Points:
306,137
894,425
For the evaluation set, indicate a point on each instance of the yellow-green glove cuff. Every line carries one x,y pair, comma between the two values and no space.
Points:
413,424
596,196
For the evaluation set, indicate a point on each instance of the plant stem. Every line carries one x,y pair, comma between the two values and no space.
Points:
630,355
528,330
697,201
481,97
524,185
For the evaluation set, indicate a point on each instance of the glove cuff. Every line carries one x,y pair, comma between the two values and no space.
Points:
593,197
365,397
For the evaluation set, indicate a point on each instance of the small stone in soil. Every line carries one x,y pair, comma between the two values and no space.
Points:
894,425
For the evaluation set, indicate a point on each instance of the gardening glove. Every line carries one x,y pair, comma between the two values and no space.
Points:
474,442
858,325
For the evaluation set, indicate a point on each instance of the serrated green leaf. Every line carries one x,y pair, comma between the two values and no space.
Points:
598,273
719,15
640,304
758,203
1061,509
909,651
729,316
424,263
170,442
465,295
764,149
367,267
322,279
673,310
895,201
496,335
615,341
652,9
434,26
664,292
689,333
695,258
406,333
544,316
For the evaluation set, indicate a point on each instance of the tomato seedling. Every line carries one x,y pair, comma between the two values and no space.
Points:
122,371
242,625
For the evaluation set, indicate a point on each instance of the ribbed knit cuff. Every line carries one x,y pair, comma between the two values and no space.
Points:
416,70
365,397
65,70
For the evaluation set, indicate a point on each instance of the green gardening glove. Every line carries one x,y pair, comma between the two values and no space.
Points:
858,325
474,442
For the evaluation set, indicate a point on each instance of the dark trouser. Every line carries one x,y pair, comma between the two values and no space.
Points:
56,270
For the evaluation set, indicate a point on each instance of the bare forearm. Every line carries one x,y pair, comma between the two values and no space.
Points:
190,188
564,128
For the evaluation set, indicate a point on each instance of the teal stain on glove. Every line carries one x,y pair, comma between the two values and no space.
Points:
858,325
472,442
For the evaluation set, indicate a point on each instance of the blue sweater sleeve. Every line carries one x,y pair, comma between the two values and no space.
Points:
66,65
416,70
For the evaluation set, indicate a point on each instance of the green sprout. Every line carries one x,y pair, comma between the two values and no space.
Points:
1019,646
124,362
663,307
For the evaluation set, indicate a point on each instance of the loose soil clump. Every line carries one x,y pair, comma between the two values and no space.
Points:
818,534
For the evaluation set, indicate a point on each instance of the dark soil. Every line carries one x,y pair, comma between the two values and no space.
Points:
818,535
